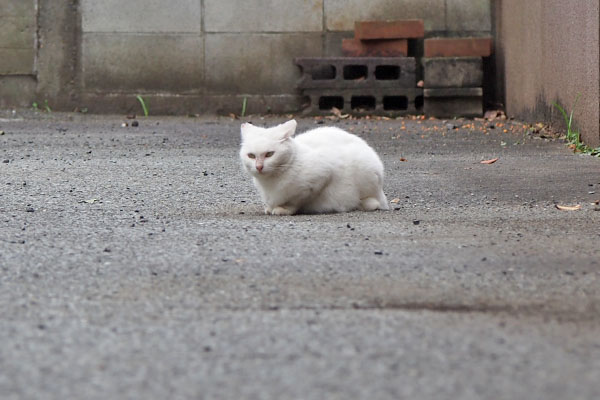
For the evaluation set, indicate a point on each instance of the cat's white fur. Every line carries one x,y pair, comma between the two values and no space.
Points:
323,170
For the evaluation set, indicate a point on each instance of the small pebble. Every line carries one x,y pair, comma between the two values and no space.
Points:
135,123
5,161
379,252
29,209
416,222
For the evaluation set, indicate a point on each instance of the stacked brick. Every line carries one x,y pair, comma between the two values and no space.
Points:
453,76
376,76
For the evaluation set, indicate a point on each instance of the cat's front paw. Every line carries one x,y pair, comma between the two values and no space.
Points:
268,210
282,211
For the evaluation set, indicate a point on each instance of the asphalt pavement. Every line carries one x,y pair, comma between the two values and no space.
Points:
136,263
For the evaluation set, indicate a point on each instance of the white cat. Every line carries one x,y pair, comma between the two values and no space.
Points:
323,170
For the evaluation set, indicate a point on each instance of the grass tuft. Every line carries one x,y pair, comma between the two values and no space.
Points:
244,107
143,103
573,136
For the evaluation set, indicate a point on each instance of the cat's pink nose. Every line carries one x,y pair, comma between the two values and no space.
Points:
259,167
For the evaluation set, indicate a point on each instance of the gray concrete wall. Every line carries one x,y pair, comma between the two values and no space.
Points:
18,21
547,51
192,56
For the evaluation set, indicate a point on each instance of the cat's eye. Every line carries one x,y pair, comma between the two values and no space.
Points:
269,153
250,155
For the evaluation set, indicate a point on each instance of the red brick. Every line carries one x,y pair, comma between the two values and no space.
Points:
458,47
375,48
401,29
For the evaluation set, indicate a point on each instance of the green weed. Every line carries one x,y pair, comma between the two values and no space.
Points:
244,106
36,106
573,135
143,103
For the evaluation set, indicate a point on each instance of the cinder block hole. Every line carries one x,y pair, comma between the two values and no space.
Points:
395,103
362,102
354,72
387,72
419,102
323,72
328,102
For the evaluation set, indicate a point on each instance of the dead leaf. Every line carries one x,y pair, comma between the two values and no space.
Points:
396,200
232,116
490,115
493,160
568,208
420,83
403,159
336,111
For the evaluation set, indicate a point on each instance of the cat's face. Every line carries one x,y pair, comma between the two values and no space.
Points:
266,151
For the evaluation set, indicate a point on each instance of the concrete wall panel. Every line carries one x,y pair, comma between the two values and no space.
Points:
17,32
114,62
548,50
18,8
263,16
257,63
16,61
141,16
468,15
17,91
341,14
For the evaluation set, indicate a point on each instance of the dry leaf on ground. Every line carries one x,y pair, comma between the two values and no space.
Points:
568,208
493,160
396,200
403,159
336,111
491,115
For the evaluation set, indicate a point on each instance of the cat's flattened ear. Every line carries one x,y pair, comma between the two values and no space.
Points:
288,128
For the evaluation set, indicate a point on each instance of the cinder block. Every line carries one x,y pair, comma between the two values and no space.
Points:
375,48
340,15
453,102
453,92
17,33
257,63
357,72
469,15
116,62
16,61
263,16
452,72
365,101
141,16
399,29
458,47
